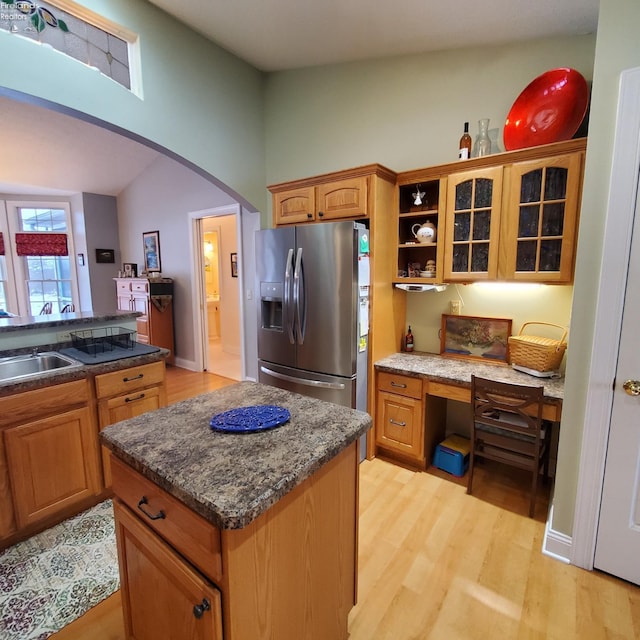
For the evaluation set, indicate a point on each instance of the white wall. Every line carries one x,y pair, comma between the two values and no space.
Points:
161,198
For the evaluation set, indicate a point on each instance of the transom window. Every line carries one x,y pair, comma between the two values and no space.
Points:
75,31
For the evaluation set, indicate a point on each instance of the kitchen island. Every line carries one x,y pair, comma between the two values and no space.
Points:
238,535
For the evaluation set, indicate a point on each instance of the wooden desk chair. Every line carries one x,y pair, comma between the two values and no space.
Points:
46,308
507,427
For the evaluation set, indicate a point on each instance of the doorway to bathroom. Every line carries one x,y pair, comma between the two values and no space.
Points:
221,308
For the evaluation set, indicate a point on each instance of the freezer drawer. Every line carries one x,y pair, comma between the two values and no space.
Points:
329,388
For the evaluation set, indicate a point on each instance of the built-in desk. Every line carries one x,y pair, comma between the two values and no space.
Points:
411,394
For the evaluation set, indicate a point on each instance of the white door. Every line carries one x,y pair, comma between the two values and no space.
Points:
618,538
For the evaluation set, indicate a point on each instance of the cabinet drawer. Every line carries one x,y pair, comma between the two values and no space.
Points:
399,425
30,405
403,385
140,287
190,534
127,380
123,287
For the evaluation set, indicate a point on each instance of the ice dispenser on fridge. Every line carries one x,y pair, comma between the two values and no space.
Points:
271,303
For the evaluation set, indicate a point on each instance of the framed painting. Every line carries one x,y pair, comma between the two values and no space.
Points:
485,339
234,265
151,246
105,255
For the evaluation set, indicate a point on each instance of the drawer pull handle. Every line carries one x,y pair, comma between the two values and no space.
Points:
138,377
158,516
400,385
134,399
398,424
199,609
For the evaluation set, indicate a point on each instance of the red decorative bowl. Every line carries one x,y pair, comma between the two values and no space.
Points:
550,109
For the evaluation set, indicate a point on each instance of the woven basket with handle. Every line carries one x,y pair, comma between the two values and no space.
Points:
535,352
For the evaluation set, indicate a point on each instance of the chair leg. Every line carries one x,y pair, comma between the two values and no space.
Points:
534,490
471,467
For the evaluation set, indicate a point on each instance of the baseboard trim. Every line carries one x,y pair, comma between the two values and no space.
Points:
555,544
190,365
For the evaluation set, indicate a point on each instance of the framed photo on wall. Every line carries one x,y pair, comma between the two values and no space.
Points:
105,255
151,246
234,265
473,337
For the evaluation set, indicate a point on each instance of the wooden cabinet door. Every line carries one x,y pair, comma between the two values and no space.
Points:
162,595
343,199
539,234
53,464
294,206
123,407
472,225
399,425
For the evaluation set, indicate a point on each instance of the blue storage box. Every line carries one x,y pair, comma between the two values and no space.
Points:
452,455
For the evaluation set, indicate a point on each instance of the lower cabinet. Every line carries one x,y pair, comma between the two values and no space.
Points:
400,418
49,456
289,574
162,595
128,393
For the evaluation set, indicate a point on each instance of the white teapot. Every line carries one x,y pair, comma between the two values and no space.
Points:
426,232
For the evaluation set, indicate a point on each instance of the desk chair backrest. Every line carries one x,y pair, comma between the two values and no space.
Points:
507,427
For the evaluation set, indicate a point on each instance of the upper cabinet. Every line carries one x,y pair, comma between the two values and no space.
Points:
472,224
539,234
510,217
346,194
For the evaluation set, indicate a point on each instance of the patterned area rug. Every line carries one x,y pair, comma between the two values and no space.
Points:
48,581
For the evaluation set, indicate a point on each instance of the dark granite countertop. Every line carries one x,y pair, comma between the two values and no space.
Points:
458,371
58,376
22,323
229,478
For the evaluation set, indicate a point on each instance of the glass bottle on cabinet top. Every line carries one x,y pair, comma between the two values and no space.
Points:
418,250
472,224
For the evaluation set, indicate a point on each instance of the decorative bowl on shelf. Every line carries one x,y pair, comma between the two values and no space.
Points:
550,109
427,274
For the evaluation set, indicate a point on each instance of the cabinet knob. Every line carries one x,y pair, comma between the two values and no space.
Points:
320,214
632,387
309,216
199,609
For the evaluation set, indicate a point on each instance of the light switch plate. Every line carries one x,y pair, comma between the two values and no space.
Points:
455,307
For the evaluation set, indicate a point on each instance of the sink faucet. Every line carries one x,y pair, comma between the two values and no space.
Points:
34,352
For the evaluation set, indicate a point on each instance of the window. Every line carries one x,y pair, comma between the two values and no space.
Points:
39,246
75,31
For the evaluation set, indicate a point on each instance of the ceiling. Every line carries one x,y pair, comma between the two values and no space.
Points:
274,35
50,153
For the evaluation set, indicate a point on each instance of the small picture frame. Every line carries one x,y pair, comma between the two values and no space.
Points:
151,248
234,265
130,270
477,338
105,255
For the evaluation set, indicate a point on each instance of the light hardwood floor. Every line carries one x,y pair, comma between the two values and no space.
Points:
437,564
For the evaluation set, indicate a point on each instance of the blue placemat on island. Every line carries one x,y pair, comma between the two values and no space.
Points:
250,419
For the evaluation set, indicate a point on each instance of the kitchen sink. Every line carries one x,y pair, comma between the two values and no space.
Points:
17,367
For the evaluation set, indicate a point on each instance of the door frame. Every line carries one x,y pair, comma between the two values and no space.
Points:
623,194
197,282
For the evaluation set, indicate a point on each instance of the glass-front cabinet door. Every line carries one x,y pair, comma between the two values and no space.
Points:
473,225
538,234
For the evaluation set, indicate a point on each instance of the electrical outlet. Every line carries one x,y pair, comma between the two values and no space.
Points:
455,307
64,336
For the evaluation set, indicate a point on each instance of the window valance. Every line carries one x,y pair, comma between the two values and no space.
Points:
41,244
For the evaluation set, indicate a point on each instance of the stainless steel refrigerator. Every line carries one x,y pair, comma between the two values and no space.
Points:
313,283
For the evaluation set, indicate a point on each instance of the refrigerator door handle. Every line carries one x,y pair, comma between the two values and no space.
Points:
309,383
298,299
288,307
